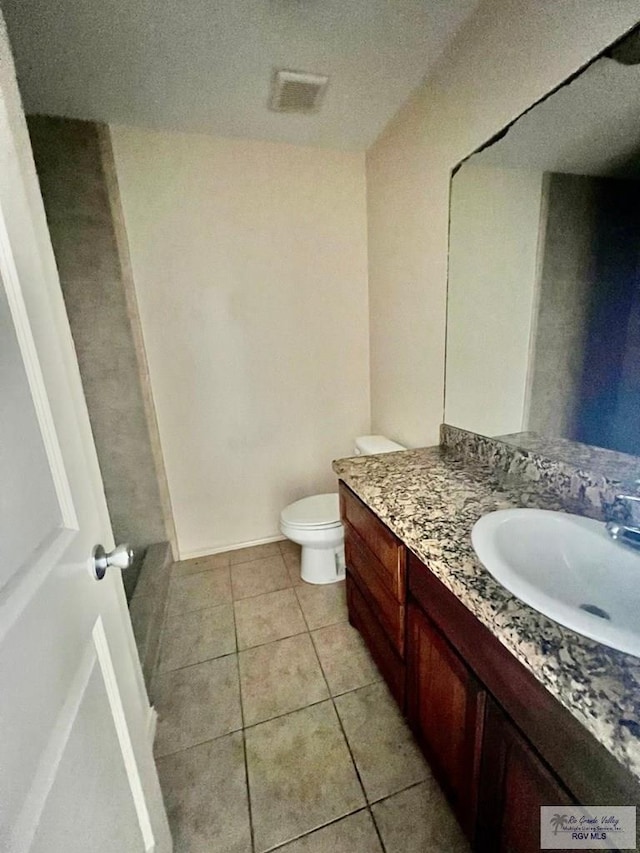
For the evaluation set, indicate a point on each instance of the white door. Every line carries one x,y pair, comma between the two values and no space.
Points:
76,764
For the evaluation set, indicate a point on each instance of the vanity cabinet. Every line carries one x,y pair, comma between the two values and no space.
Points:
498,742
445,708
376,588
514,782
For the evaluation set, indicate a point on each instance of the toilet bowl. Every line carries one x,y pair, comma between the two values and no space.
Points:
314,523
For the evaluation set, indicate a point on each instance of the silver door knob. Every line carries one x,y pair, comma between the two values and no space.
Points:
121,558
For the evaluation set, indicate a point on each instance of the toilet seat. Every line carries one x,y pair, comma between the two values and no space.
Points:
317,512
314,524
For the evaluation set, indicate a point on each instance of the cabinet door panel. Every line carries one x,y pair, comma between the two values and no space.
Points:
445,705
365,567
514,783
389,551
362,617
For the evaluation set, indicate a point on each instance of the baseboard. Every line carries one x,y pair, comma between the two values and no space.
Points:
152,722
209,552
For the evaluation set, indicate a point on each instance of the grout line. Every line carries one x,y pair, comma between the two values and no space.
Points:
269,642
193,745
199,609
316,829
369,803
246,781
311,704
346,740
254,725
382,800
258,594
287,713
232,599
160,674
324,675
344,734
349,689
235,634
401,791
176,576
257,646
244,738
304,615
376,828
170,616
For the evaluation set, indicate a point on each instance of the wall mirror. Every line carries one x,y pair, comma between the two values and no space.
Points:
543,313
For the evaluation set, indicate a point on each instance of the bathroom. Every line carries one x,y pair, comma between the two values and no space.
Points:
262,290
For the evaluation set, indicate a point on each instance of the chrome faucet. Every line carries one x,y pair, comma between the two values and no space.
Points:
628,533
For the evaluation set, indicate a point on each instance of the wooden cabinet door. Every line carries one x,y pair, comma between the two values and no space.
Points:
366,622
514,783
446,710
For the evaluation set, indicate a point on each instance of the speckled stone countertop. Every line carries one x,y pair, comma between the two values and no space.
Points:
431,499
621,468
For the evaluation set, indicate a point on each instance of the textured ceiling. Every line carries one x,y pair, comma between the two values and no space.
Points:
206,65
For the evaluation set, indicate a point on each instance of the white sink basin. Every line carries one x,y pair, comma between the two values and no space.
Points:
568,568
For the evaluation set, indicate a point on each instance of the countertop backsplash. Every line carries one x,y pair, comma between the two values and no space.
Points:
587,478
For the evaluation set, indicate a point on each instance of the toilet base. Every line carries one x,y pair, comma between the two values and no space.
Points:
322,565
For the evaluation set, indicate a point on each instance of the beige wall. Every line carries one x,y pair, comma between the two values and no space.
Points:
509,54
250,265
493,252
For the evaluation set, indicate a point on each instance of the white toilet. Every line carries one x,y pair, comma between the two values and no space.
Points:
314,523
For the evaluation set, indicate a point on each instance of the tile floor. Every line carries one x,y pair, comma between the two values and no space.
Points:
275,731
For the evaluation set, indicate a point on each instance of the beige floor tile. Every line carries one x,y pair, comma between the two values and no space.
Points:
324,604
344,657
197,591
417,820
205,793
197,636
255,552
300,775
268,617
353,834
265,575
384,750
295,577
292,562
280,677
196,704
200,564
288,547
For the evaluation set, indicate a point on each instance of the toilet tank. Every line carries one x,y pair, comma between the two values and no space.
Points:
366,445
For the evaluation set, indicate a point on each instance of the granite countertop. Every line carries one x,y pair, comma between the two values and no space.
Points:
618,467
431,500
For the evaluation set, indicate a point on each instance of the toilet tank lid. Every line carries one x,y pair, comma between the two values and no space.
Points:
369,444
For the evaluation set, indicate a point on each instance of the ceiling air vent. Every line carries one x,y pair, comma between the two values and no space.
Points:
297,92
